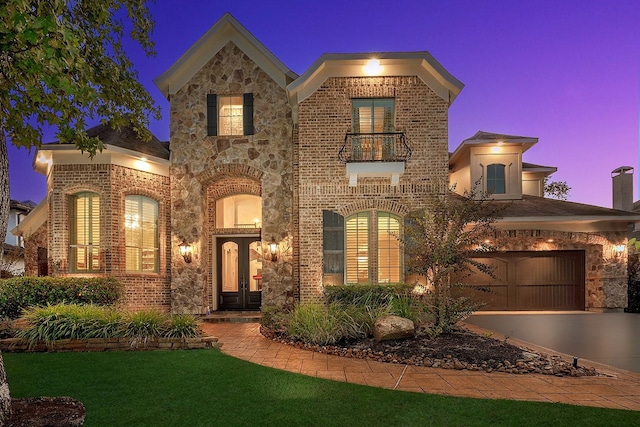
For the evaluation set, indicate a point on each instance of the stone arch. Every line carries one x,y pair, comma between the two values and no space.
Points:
229,170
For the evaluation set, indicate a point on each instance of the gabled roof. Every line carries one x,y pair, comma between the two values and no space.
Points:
420,64
226,30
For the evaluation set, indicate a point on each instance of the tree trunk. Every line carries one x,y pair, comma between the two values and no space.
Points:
5,397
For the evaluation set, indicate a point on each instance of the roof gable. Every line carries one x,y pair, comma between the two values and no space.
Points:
226,30
420,64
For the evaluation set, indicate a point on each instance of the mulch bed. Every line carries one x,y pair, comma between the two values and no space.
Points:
461,349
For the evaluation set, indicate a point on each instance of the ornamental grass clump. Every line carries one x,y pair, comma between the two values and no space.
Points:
77,321
69,321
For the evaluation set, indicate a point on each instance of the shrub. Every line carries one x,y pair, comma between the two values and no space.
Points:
19,293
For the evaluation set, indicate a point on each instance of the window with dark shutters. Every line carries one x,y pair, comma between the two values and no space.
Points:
230,115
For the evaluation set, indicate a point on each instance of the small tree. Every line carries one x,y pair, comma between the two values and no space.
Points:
556,189
440,243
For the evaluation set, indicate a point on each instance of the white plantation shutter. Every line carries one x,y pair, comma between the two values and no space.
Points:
84,232
141,234
389,254
357,248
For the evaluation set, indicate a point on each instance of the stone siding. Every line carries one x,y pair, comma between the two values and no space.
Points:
321,181
205,168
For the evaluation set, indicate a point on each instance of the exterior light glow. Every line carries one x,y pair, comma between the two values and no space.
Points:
619,248
185,251
373,67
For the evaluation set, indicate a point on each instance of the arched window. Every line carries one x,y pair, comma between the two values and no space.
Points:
141,234
496,179
84,232
372,251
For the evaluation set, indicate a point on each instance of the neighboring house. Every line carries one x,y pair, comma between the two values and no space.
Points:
277,184
13,246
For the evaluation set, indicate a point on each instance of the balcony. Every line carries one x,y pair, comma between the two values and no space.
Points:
377,155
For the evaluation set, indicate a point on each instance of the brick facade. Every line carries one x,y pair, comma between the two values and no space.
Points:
321,182
112,183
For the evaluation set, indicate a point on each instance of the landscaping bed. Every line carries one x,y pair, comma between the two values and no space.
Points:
460,350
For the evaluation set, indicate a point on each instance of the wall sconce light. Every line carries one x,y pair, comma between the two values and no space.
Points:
619,248
185,251
273,251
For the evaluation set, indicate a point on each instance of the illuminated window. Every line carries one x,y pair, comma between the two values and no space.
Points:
496,179
84,232
389,254
372,251
230,115
239,211
141,234
372,116
357,248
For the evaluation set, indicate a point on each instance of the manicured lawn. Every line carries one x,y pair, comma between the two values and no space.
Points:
207,388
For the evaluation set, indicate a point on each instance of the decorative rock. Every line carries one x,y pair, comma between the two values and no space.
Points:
393,328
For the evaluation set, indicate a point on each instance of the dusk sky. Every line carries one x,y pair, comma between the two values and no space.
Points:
564,71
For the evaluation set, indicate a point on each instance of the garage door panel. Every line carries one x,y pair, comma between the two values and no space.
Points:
551,280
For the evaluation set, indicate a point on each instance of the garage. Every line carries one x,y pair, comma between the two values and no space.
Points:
545,280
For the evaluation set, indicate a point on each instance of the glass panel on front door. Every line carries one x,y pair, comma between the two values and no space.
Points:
239,273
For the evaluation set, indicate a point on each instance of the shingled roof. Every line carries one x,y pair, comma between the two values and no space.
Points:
534,206
127,138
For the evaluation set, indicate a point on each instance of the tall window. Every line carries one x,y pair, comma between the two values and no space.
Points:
230,115
372,116
389,254
496,179
84,232
357,248
141,234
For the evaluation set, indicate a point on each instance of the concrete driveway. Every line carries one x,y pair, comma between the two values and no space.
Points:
609,338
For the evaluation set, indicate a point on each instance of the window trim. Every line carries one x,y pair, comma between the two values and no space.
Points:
493,181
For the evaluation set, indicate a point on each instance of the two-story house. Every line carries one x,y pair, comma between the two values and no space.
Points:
273,185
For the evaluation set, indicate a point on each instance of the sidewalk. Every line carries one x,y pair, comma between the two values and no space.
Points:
621,390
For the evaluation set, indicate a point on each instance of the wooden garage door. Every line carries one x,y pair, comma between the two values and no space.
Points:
552,280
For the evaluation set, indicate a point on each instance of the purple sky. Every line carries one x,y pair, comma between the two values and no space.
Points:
565,71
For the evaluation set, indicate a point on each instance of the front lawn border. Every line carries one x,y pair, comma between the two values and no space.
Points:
18,345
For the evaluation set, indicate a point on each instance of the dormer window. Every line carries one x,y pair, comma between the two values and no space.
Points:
496,179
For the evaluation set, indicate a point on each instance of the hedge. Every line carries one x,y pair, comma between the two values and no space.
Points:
19,293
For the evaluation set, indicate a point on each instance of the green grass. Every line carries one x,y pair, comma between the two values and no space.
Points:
207,388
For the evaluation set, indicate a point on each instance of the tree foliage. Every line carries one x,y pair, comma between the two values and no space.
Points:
440,243
62,62
556,189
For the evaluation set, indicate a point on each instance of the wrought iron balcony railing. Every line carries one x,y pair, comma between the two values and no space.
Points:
374,147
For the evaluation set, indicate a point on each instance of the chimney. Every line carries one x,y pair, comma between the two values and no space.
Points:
622,180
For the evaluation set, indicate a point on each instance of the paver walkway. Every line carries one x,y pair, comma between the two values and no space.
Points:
621,390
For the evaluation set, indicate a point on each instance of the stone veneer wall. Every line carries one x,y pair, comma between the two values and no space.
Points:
113,183
38,239
605,272
324,119
204,168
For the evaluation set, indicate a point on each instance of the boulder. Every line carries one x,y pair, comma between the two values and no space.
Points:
393,328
